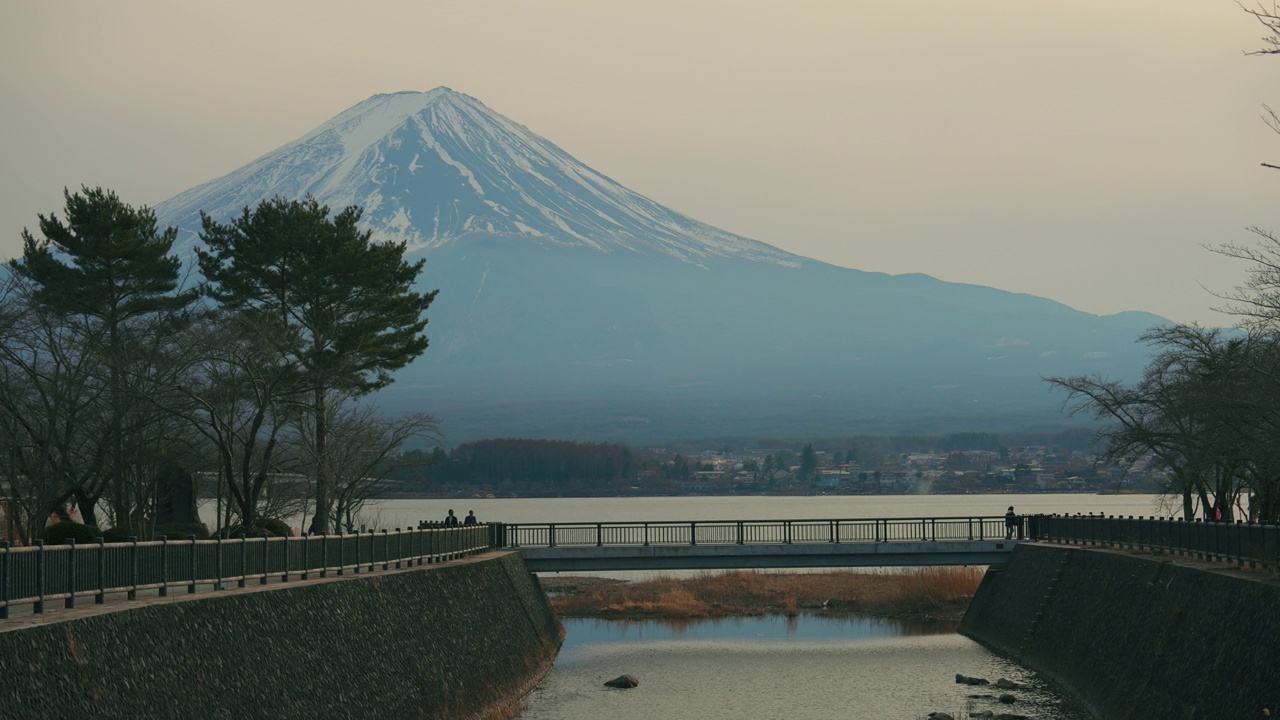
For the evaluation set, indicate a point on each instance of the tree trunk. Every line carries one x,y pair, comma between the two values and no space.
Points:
319,407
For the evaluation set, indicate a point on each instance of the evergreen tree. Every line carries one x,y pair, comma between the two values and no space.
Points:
108,261
108,268
808,464
348,301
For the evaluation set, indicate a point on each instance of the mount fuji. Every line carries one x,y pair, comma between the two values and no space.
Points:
570,306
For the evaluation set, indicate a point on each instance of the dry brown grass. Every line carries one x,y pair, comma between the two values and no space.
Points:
917,592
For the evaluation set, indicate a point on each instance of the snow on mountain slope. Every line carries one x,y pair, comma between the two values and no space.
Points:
432,167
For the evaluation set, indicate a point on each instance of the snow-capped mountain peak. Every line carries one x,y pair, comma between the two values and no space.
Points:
432,167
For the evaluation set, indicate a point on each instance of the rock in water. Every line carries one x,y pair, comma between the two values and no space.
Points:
624,681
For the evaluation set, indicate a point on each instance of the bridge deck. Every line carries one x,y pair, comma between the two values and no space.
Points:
746,544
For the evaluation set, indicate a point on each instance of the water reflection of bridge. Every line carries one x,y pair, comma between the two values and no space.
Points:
744,544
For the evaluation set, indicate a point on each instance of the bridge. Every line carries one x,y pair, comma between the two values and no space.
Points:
37,574
760,544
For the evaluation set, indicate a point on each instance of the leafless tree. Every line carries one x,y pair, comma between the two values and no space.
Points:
1190,412
242,397
50,393
363,447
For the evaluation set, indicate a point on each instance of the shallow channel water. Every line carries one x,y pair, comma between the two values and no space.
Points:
803,668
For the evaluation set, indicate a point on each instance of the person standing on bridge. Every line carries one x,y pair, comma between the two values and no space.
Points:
471,518
1012,525
450,520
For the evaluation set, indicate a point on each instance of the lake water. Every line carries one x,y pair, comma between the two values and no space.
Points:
402,513
803,668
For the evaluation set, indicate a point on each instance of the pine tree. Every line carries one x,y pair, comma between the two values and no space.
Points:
108,261
109,266
349,303
808,464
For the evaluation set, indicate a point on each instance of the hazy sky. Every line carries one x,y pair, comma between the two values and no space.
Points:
1083,151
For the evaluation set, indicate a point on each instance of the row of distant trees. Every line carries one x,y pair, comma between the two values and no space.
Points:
115,372
526,464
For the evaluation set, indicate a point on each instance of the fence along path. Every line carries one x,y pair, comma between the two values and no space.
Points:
43,573
1242,543
755,532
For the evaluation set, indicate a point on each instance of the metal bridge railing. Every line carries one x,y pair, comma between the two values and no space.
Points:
42,572
754,532
1239,542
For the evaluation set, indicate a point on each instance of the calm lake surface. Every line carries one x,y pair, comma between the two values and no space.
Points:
402,513
801,669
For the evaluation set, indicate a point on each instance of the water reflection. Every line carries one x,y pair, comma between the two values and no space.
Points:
800,668
796,627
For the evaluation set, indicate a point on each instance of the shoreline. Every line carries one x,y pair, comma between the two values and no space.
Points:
928,594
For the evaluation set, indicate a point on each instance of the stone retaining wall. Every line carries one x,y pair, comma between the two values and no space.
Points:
1136,636
462,640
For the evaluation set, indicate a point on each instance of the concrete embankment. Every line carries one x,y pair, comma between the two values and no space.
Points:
461,640
1136,636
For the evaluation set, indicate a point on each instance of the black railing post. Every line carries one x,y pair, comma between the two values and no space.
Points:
244,560
217,557
70,601
693,533
191,587
740,532
38,607
133,567
599,535
1253,547
306,565
551,535
284,575
786,525
266,542
373,547
324,555
4,579
646,534
101,596
399,547
164,567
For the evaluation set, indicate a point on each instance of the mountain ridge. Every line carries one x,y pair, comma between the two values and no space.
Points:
570,306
